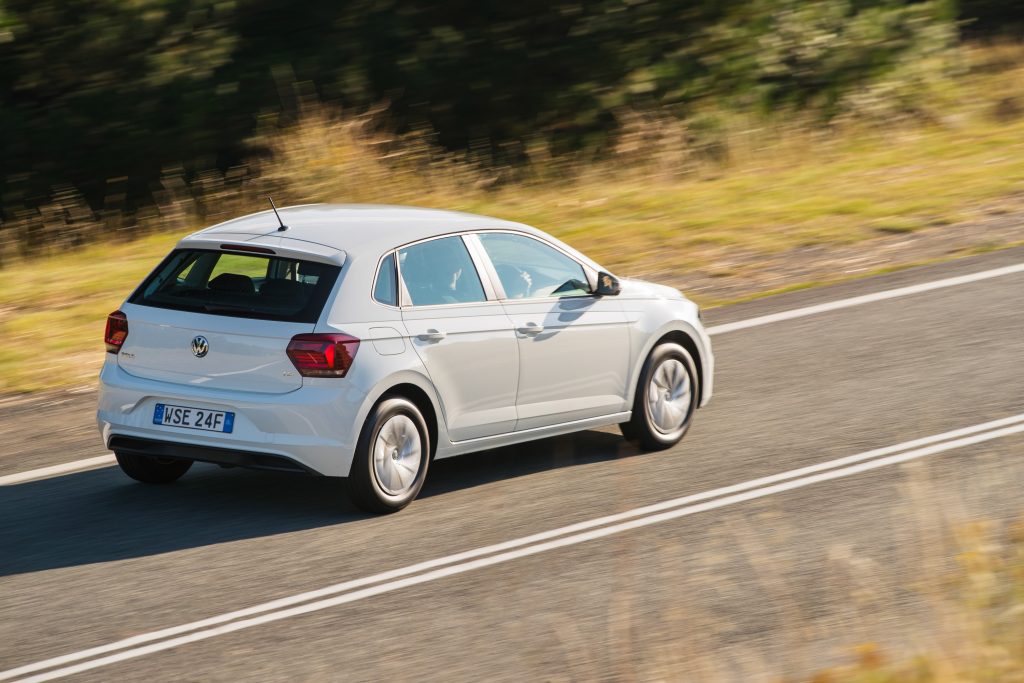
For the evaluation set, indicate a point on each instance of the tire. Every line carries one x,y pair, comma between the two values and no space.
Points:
391,458
666,397
152,470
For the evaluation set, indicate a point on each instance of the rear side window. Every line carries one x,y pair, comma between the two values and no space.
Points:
385,289
440,271
240,285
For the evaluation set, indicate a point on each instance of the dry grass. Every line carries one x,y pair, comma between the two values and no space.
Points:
53,310
675,197
768,594
979,613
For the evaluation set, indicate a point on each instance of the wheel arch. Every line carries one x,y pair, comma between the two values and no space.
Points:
423,402
678,333
415,388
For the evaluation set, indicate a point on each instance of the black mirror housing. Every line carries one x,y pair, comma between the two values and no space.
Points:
607,284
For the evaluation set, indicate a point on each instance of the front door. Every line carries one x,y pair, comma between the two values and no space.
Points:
573,346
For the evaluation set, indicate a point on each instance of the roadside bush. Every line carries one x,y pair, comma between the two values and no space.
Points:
826,55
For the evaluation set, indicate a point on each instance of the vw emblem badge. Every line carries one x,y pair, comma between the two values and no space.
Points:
200,347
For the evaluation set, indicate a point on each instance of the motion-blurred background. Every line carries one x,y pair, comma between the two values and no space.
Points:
731,148
727,147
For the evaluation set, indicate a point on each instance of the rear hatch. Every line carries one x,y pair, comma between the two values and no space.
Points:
222,319
242,355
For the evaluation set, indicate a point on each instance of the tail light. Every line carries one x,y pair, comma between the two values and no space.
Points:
117,331
322,355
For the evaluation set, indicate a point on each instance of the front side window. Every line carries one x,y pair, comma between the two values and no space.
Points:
240,285
530,269
440,272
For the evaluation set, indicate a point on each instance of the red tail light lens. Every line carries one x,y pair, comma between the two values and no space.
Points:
322,355
117,331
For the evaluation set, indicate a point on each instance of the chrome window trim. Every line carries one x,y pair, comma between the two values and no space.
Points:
464,304
489,279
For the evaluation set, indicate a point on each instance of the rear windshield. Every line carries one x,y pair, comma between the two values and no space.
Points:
241,285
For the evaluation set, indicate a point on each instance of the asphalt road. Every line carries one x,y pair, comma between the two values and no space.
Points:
770,587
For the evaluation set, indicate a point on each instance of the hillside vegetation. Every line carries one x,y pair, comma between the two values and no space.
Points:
664,214
689,143
118,104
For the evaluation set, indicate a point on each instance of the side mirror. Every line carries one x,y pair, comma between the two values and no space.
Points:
607,284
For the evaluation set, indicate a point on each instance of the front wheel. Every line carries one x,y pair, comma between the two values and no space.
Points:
666,396
391,457
152,470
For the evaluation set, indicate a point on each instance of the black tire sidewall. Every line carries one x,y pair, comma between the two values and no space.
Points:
364,488
150,470
641,423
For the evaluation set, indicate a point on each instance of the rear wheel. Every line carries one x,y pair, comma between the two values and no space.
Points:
666,396
391,457
152,470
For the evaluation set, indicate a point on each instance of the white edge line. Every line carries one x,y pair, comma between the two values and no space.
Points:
523,552
54,470
864,299
91,463
507,545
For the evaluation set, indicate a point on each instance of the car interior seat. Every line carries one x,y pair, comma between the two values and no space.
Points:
233,282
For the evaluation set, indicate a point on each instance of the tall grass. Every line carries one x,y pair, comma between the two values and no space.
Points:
770,595
781,170
978,612
720,177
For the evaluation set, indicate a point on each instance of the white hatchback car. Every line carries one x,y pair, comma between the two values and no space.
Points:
364,341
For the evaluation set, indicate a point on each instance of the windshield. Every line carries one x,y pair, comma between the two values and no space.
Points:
241,285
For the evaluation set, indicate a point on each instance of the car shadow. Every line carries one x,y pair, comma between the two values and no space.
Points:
524,459
102,516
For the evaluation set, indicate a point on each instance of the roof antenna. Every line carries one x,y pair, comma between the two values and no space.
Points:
274,207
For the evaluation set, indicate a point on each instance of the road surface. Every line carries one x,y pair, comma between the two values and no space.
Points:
738,575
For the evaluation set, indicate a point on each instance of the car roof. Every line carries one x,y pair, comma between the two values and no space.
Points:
357,228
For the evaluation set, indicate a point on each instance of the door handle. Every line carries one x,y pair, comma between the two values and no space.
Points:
431,335
531,329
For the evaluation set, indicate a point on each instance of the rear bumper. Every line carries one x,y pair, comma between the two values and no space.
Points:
311,429
218,456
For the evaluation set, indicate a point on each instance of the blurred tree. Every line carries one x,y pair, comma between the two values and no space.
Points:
987,17
92,90
97,89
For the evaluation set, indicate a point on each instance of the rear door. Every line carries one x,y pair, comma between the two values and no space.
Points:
464,339
223,320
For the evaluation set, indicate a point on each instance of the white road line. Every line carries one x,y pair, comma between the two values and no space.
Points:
55,470
529,545
103,460
865,299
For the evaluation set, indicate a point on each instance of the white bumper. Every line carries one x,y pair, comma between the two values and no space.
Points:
313,426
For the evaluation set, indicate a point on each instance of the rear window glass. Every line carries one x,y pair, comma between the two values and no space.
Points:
241,285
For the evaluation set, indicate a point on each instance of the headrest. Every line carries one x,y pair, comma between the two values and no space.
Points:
281,288
232,282
311,269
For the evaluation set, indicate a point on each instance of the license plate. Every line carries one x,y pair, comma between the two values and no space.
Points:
193,418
